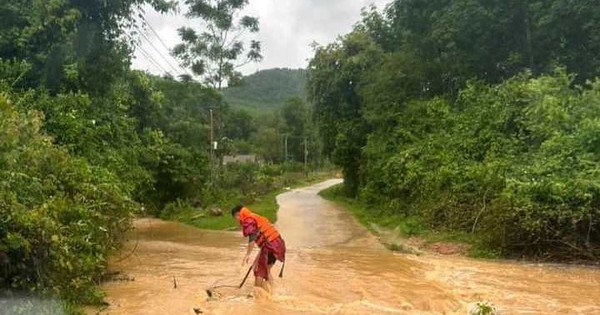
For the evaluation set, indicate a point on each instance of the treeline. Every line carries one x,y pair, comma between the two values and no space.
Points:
276,136
474,116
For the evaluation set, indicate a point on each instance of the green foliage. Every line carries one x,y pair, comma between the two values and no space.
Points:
376,217
517,163
297,128
453,112
261,190
215,53
277,112
180,173
250,180
61,216
84,140
239,125
98,129
334,81
75,164
185,111
494,39
338,194
71,45
235,184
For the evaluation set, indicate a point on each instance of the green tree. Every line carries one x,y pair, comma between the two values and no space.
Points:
71,45
239,125
494,40
268,140
215,53
268,143
334,79
295,117
187,106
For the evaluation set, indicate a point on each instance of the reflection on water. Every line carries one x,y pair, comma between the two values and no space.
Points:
334,266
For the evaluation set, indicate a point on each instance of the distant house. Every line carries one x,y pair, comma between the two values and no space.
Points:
240,159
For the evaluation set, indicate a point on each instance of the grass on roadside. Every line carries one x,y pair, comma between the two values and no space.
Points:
406,226
265,205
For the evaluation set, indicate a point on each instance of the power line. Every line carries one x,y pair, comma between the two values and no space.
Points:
152,61
155,33
159,52
163,43
149,57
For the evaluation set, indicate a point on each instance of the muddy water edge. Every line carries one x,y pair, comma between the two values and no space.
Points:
334,266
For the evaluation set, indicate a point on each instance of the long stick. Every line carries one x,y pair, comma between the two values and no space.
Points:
246,277
209,291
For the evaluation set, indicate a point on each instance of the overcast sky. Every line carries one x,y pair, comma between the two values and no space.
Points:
287,28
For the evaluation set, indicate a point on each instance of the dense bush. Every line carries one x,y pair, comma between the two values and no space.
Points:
251,180
76,165
517,162
74,168
512,155
60,216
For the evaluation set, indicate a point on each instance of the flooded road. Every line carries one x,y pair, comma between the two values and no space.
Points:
334,266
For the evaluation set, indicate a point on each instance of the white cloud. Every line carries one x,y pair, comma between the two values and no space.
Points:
288,27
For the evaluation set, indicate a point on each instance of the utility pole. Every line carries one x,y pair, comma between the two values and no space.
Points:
286,147
212,147
305,157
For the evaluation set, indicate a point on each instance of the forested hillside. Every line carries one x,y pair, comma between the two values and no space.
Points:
267,90
480,117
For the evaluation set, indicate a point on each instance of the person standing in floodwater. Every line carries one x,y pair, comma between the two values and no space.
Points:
262,233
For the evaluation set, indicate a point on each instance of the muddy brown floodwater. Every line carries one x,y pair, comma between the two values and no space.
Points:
334,266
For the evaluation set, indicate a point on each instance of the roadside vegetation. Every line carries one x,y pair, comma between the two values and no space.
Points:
409,234
87,144
263,201
476,118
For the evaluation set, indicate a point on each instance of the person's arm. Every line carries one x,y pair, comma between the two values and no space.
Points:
248,251
250,229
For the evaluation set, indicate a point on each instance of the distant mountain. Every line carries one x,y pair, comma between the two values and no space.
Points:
267,89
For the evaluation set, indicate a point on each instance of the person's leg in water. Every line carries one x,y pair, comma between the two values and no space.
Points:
263,283
270,263
261,270
258,281
276,251
263,277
